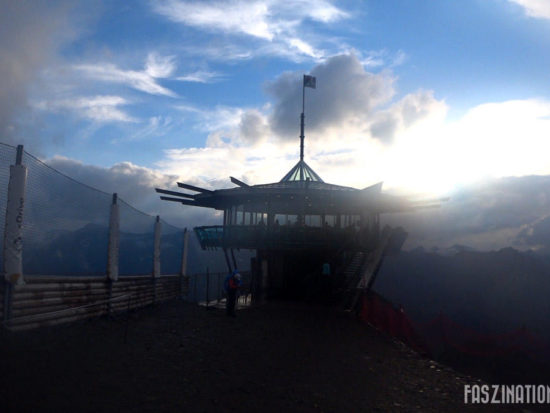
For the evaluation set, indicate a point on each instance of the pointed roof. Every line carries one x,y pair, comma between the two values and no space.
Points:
301,172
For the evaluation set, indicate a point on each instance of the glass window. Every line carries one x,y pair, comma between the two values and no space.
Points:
291,219
279,219
313,220
239,218
330,220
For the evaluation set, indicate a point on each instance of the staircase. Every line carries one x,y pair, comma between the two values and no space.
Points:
361,272
352,273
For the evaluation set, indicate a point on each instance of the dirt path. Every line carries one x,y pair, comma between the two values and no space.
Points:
281,357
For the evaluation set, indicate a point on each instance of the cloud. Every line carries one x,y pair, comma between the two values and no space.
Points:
279,24
233,17
155,126
201,76
345,94
263,19
134,185
350,123
503,212
534,8
415,107
358,134
30,33
156,67
253,127
219,118
377,58
97,108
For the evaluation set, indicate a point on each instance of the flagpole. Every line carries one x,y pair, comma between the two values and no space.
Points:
302,116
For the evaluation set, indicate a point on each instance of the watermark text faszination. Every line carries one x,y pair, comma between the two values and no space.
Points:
506,394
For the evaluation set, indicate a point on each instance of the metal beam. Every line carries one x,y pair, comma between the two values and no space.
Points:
240,183
167,192
183,201
187,202
193,188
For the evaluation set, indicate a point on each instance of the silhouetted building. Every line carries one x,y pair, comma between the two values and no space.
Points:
298,224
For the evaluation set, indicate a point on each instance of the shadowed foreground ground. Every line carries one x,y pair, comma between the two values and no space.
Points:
281,357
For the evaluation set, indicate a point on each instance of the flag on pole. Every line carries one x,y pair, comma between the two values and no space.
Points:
309,81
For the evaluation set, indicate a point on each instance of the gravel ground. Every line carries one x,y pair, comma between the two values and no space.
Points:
279,357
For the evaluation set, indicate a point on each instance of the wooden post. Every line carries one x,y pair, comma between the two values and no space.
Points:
156,248
156,256
12,262
114,228
112,253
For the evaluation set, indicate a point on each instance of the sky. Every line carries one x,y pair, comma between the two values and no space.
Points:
431,97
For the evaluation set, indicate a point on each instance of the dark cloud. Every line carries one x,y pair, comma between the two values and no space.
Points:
253,127
345,93
385,126
30,32
136,186
403,114
499,213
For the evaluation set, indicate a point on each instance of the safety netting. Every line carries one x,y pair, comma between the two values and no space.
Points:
206,287
137,231
171,248
7,158
65,225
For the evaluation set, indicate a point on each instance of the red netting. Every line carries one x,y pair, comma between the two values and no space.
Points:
443,334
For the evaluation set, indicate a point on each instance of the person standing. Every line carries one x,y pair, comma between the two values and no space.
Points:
232,284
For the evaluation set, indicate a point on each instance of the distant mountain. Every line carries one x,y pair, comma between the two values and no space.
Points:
490,291
84,252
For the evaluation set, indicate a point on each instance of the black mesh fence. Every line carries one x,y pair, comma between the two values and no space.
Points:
206,287
7,158
171,249
66,226
136,241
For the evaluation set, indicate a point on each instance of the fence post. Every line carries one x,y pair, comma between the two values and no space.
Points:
12,262
112,257
114,228
156,251
156,257
184,278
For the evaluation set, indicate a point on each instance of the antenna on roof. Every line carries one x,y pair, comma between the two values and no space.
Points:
309,81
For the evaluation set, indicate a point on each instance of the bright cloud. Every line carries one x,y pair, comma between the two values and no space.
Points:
97,108
201,76
263,19
535,8
156,67
275,22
